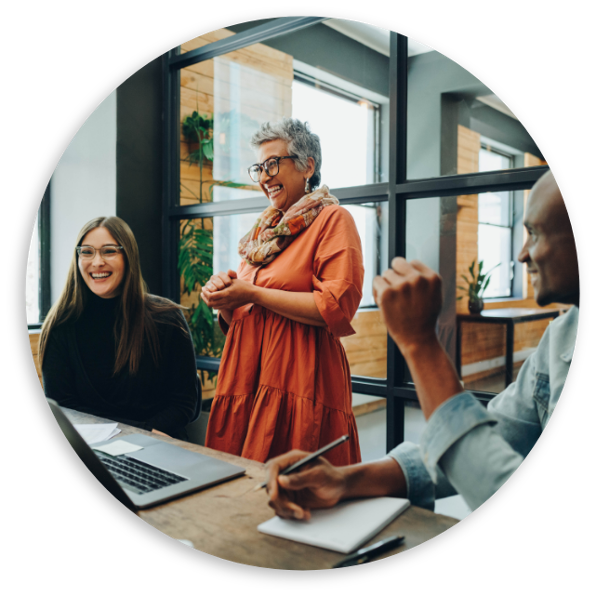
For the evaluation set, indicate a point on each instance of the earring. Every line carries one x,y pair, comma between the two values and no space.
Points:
306,186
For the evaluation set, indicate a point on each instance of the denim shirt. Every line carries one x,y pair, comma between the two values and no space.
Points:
470,450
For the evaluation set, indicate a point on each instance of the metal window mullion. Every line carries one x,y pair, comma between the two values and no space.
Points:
45,247
469,184
398,73
171,178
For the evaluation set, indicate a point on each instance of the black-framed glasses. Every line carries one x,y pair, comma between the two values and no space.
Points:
271,166
107,252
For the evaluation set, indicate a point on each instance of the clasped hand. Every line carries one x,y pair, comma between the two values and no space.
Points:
224,291
409,298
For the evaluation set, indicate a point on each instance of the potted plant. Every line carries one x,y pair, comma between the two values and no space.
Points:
476,284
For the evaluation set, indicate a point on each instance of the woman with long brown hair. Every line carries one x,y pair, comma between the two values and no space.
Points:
111,349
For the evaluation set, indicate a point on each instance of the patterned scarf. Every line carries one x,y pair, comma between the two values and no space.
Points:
274,231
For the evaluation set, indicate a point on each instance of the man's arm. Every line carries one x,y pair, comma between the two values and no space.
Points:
323,485
409,297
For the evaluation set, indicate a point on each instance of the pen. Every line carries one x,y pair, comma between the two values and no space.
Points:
307,459
364,555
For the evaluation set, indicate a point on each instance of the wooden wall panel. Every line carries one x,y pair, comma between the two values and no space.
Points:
367,349
486,341
468,148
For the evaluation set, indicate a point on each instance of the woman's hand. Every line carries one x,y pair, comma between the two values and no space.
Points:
220,280
319,486
226,292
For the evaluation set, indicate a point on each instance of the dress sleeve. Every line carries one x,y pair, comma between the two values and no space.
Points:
180,370
338,272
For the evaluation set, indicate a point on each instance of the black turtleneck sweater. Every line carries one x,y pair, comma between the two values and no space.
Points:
78,372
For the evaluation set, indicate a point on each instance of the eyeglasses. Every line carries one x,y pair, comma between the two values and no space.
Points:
271,166
107,252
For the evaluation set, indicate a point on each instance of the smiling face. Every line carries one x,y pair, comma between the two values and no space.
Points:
103,277
287,186
549,251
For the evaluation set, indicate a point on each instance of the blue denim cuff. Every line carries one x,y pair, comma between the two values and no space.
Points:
449,423
421,490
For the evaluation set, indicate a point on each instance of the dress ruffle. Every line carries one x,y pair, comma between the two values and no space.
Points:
277,422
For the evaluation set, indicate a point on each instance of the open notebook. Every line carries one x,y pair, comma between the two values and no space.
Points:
343,528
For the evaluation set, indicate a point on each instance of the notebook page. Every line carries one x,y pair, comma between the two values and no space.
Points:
343,528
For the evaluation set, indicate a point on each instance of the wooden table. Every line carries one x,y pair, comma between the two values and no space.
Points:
508,317
222,520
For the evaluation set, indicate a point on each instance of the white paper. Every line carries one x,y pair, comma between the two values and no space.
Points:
96,433
342,528
118,448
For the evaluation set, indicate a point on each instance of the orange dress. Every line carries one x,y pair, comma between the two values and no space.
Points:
285,385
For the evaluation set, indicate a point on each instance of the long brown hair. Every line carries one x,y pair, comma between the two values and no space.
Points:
138,310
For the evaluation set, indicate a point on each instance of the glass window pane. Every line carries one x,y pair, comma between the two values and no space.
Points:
494,250
323,110
452,116
494,208
32,280
327,75
366,351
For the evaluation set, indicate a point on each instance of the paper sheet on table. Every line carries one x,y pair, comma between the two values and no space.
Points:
118,448
96,433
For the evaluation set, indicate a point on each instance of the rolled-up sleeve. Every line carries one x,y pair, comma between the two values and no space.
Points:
461,440
338,272
421,490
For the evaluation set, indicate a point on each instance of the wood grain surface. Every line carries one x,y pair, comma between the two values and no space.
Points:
222,520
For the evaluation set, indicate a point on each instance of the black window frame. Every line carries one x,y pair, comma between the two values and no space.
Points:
44,252
396,389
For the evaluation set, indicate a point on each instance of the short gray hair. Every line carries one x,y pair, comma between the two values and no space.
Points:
301,142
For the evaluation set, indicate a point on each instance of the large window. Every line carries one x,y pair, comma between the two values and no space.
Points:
352,150
409,142
495,226
37,283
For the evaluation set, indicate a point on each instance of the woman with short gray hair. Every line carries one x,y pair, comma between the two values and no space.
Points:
284,379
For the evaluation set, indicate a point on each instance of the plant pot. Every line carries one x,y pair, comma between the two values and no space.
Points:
475,305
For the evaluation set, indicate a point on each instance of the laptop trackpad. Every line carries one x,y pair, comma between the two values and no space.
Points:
169,457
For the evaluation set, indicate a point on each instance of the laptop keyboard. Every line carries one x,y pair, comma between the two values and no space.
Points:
136,475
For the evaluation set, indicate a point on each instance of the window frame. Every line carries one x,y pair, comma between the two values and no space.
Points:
44,251
397,191
484,146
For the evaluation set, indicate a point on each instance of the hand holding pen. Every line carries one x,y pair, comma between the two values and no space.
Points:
318,486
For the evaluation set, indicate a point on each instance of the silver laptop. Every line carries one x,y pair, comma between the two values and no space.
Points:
156,473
